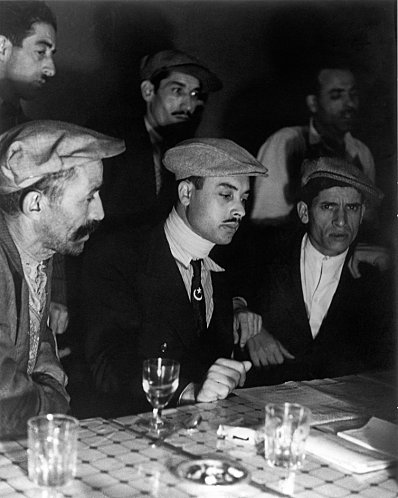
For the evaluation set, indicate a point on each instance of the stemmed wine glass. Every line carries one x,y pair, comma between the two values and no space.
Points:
160,382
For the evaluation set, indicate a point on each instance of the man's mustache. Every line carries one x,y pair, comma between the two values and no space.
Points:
86,229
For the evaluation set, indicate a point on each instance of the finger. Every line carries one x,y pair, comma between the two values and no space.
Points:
286,353
224,375
54,320
212,391
63,322
254,354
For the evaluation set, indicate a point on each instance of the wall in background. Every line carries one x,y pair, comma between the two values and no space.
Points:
262,51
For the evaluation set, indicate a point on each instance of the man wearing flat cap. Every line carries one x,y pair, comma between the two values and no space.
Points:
318,320
161,294
174,88
50,175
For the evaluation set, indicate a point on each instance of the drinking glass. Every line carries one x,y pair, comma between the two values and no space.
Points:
52,449
160,382
287,426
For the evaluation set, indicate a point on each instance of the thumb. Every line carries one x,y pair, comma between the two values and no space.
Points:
247,365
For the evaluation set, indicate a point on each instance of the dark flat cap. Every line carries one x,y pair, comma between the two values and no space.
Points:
152,65
211,157
327,172
35,149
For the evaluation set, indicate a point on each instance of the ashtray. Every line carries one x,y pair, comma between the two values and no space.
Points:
211,471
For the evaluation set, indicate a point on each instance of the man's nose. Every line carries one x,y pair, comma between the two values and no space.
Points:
49,67
340,217
97,209
239,210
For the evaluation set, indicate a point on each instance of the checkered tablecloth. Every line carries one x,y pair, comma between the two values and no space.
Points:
116,459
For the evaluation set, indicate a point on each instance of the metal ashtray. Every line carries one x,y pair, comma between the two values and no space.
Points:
211,471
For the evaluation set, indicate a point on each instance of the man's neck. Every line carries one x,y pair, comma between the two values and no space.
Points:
8,95
26,240
331,138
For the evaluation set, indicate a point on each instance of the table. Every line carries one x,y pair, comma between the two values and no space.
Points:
116,460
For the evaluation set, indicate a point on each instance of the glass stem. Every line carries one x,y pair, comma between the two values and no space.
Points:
157,417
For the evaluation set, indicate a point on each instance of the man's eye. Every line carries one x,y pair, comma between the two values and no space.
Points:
353,207
327,207
226,196
176,90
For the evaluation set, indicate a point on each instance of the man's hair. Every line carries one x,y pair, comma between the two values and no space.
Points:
314,85
197,181
51,185
16,18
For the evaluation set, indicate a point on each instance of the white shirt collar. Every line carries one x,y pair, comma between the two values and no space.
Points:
313,255
185,244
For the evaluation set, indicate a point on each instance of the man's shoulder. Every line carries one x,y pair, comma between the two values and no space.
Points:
123,243
289,132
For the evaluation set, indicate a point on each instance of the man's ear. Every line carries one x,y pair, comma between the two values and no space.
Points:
147,90
185,189
302,211
5,48
32,203
312,103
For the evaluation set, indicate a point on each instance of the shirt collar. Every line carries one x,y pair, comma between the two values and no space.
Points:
186,245
312,254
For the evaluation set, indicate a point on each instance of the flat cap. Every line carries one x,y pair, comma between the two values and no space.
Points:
152,65
35,149
327,172
211,157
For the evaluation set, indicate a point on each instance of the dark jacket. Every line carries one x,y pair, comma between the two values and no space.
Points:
356,333
22,395
128,192
137,307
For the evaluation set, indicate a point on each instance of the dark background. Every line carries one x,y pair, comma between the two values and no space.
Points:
262,51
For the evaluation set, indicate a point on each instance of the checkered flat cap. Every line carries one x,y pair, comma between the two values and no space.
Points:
211,157
334,171
175,60
35,149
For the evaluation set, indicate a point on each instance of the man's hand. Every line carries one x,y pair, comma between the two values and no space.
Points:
58,318
373,255
265,350
246,325
222,378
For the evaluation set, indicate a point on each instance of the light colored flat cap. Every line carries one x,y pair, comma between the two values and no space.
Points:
211,157
35,149
326,172
175,60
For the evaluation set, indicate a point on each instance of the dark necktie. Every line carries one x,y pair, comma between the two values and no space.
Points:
198,297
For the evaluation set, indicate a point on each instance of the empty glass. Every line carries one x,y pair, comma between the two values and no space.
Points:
52,449
287,426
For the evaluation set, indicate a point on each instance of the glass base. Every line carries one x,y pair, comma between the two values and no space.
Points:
157,430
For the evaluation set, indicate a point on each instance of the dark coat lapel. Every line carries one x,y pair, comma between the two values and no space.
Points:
163,282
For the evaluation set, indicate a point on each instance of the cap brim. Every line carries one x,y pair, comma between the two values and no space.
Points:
209,81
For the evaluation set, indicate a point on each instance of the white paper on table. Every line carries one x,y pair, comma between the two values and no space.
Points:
325,408
345,454
377,434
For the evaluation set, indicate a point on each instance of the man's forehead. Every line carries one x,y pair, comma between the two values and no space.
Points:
43,32
240,181
183,79
349,194
329,78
